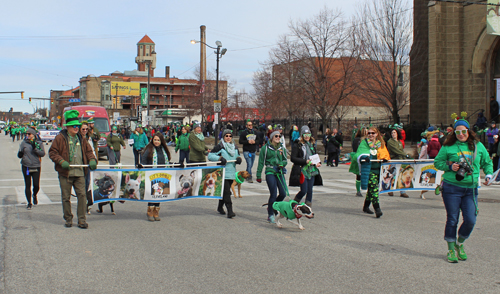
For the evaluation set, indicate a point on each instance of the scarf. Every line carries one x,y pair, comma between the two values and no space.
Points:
155,156
230,148
374,145
200,136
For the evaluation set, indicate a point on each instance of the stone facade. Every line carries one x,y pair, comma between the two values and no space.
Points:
452,61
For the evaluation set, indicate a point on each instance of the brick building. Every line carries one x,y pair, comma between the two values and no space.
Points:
453,61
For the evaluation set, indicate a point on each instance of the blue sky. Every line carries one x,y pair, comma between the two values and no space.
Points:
47,44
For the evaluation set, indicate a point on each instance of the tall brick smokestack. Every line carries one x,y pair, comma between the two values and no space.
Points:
203,54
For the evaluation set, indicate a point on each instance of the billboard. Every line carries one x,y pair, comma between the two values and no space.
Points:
125,89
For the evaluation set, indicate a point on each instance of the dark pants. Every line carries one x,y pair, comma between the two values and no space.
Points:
458,199
274,182
183,154
27,182
306,189
78,183
226,195
156,204
113,156
333,156
137,156
90,202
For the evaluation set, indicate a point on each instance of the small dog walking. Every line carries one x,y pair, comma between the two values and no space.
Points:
242,176
291,210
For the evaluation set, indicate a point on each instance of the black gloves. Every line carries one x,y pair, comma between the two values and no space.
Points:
222,160
238,160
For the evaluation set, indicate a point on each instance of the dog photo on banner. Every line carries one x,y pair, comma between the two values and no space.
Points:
212,182
104,185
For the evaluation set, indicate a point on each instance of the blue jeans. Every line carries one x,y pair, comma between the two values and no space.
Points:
272,184
183,154
455,199
306,188
249,158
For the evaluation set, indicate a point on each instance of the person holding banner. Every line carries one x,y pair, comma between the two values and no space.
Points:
224,151
359,136
197,144
304,173
273,158
95,135
156,154
396,151
68,148
371,148
114,140
182,144
140,141
84,132
461,159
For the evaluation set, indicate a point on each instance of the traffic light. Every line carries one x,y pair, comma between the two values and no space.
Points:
51,100
22,96
30,99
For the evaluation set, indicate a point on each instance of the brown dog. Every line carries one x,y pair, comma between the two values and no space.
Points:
242,174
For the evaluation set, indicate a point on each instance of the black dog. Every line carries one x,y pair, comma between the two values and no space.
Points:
106,186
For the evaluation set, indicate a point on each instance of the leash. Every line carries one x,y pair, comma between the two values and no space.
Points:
283,183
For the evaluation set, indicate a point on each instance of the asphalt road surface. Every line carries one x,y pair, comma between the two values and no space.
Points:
193,249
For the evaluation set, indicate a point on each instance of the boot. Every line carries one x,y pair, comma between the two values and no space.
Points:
150,213
366,207
390,194
308,203
156,213
230,213
220,208
378,211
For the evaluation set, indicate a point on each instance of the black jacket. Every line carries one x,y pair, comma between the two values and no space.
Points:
299,161
243,140
332,144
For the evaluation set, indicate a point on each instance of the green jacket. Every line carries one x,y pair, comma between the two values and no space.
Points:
271,157
115,141
198,149
285,208
182,142
396,150
140,140
450,154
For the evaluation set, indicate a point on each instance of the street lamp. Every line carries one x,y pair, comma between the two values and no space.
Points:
149,61
219,52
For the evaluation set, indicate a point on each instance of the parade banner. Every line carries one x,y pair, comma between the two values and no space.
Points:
408,176
157,184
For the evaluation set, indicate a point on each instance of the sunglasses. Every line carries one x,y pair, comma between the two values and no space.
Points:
76,127
277,136
463,132
372,133
228,136
249,125
84,129
307,135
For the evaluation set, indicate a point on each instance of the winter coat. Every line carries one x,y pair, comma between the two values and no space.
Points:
271,158
450,154
182,142
247,147
433,148
140,140
59,151
332,144
423,152
395,149
360,165
198,149
115,141
217,152
298,157
490,133
31,153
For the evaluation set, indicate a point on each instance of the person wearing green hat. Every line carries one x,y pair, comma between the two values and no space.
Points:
140,142
69,148
114,140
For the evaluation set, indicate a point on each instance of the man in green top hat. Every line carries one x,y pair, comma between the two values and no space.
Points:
69,148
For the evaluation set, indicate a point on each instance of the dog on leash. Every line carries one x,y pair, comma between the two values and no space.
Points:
242,174
105,187
291,210
209,184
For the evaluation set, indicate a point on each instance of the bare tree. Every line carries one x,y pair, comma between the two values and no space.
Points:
264,97
384,28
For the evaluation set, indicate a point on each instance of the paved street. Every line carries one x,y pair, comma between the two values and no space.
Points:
193,249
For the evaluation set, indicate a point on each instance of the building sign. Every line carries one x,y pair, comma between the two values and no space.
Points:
493,18
144,97
125,89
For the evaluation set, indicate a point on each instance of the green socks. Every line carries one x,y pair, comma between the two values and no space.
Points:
451,245
358,186
460,240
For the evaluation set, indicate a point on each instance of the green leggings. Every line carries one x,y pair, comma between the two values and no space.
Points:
372,193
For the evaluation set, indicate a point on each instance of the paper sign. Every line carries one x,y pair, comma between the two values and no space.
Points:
314,159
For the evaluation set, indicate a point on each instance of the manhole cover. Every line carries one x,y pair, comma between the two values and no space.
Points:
487,200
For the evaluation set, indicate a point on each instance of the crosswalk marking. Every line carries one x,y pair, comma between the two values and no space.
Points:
41,196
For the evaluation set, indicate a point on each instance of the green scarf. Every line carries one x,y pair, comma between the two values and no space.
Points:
374,145
200,136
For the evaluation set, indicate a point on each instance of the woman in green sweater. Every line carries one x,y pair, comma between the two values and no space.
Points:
273,158
182,144
197,143
461,158
396,151
114,140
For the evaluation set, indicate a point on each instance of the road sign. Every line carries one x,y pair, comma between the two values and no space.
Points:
116,115
217,107
74,100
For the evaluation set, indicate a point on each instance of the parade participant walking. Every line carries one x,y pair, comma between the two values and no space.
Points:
225,151
140,141
396,151
84,130
373,148
360,135
461,158
182,144
248,139
69,148
492,131
31,152
114,140
94,133
302,151
333,148
156,153
198,150
433,147
273,158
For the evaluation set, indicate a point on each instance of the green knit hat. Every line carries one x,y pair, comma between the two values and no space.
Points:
71,118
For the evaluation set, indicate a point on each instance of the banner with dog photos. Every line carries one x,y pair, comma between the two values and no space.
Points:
157,184
406,176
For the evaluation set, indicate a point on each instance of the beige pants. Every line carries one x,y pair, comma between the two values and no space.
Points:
79,184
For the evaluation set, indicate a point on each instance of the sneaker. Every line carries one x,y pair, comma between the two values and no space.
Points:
83,225
250,180
359,194
35,200
452,257
422,196
271,219
404,195
460,252
68,224
28,207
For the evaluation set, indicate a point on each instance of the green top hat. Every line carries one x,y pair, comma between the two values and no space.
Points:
71,117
